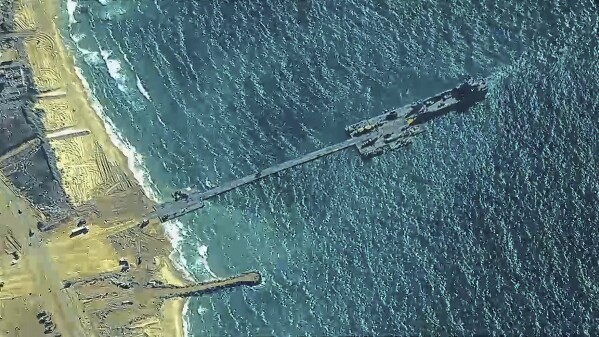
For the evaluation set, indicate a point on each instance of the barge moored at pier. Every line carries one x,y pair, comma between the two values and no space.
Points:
396,128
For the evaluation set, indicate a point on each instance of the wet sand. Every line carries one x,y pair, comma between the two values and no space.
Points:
95,176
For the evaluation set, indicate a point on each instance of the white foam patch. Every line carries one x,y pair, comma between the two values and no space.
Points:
203,250
114,69
202,310
77,37
91,57
173,229
71,8
203,253
142,89
112,9
185,318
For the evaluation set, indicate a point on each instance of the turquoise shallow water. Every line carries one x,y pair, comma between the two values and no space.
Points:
487,224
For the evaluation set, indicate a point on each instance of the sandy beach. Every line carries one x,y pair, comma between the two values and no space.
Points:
95,176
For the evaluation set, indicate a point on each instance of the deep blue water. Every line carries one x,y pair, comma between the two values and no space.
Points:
486,225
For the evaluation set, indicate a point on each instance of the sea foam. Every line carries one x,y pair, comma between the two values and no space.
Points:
203,253
185,321
91,57
135,163
134,159
142,89
77,37
71,8
114,69
173,229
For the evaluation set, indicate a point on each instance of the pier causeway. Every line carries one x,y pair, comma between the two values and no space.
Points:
391,130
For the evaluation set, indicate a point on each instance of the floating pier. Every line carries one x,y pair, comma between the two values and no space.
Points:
391,130
396,128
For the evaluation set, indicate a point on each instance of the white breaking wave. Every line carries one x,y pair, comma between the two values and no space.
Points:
203,252
77,37
173,229
142,89
91,57
185,322
114,69
112,9
71,8
135,163
202,310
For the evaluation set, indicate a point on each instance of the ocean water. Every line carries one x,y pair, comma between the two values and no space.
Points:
486,225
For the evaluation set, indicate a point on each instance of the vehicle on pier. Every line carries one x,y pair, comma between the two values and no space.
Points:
183,194
396,128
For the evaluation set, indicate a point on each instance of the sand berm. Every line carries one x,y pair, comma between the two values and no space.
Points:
95,174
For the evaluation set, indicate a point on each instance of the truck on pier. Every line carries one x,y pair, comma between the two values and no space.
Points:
396,128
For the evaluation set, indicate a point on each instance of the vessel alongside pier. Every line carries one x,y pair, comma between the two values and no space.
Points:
396,128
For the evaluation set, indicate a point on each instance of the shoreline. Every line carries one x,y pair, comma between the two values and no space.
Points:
117,149
134,164
175,307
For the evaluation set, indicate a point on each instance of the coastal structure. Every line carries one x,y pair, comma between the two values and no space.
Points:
158,289
388,131
75,260
396,128
106,296
66,200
